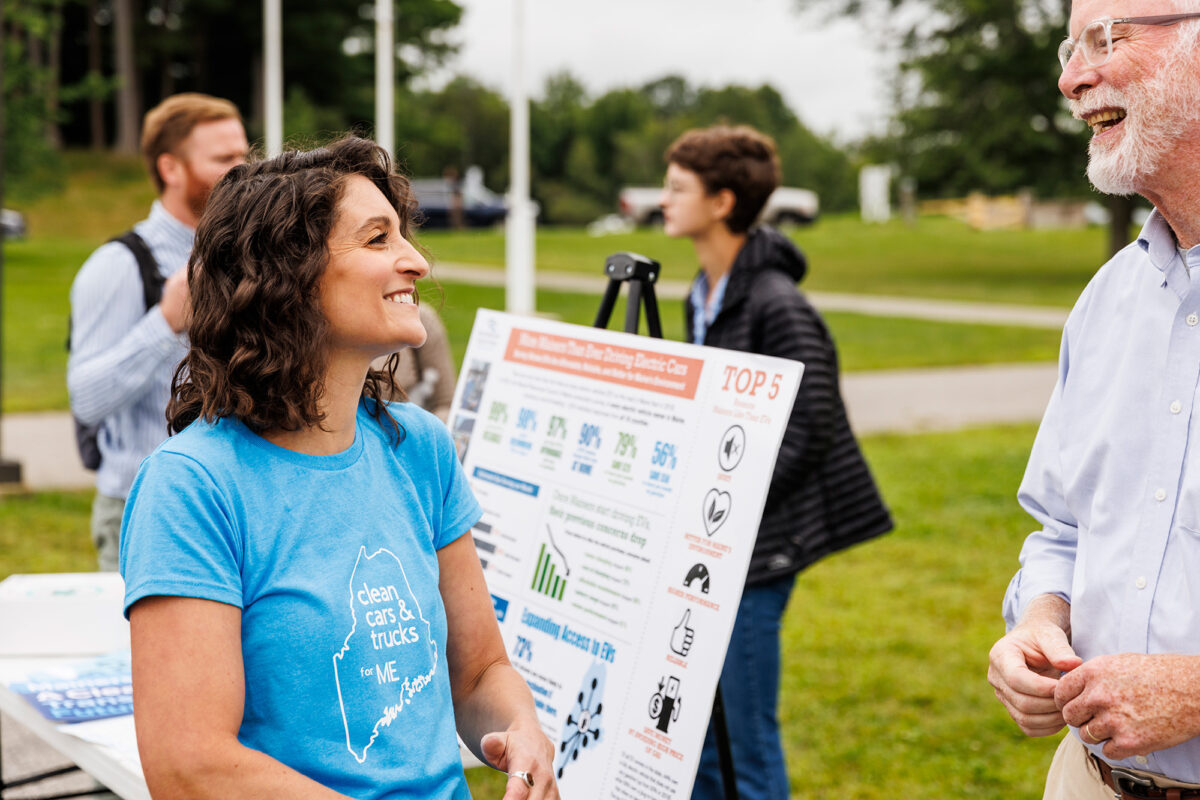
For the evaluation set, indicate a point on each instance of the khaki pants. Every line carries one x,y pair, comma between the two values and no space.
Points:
1074,776
106,530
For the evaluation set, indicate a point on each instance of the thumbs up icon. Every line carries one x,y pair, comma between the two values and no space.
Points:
682,636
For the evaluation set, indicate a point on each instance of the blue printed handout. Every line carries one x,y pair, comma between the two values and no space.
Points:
96,688
389,655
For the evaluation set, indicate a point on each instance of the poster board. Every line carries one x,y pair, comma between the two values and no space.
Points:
622,480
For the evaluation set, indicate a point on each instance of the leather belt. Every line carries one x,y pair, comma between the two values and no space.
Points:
1126,784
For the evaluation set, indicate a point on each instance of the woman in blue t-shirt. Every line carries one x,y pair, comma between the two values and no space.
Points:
308,615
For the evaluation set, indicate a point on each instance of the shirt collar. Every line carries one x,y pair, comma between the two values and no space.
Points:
177,231
1158,242
700,294
700,290
704,312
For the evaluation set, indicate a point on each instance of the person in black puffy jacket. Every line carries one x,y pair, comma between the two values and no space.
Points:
822,497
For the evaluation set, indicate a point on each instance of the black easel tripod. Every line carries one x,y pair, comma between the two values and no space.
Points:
640,273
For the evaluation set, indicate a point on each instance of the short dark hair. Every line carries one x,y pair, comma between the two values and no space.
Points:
257,331
170,122
739,159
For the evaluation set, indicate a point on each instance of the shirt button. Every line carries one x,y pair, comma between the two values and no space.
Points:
1192,319
1142,760
1160,494
1140,582
1176,407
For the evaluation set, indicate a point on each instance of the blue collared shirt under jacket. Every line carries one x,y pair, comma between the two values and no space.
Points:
705,312
122,356
1114,476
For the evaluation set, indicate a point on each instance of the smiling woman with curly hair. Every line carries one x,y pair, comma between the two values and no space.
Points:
258,331
308,617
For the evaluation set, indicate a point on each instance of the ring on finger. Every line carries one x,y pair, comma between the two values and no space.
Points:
522,775
1087,728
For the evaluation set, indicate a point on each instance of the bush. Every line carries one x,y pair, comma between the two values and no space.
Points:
563,205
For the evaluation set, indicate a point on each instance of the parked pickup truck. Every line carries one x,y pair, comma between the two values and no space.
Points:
785,206
480,207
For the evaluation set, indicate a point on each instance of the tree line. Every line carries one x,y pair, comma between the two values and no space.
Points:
584,149
975,105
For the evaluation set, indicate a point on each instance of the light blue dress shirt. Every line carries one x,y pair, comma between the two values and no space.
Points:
1114,478
122,356
704,312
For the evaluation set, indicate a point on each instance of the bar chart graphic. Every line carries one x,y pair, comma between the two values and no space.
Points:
545,578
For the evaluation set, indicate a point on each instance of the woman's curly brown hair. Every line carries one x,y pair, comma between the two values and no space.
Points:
257,331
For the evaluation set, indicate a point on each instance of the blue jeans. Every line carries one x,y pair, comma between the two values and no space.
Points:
750,689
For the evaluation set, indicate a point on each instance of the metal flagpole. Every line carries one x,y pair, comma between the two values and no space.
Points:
385,76
520,297
273,75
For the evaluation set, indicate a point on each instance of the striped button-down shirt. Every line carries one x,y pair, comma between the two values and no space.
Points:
1114,476
122,356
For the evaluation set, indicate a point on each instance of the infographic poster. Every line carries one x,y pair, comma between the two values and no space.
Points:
622,480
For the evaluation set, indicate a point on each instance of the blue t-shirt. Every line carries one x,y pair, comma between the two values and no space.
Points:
333,561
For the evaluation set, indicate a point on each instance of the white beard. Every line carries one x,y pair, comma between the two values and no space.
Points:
1160,112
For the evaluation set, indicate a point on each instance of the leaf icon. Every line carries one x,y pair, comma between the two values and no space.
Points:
715,510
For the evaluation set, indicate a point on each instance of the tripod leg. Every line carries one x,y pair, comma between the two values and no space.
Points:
606,304
652,320
633,306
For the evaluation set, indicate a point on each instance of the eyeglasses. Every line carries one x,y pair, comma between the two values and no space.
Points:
675,187
1096,43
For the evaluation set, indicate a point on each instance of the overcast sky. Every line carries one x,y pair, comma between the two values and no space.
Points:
828,71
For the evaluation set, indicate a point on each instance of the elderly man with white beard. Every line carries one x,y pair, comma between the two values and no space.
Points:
1104,614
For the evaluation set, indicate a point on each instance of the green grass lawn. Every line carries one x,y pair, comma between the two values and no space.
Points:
936,257
39,273
864,342
104,194
37,282
885,646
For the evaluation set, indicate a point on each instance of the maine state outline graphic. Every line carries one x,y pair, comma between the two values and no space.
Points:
389,656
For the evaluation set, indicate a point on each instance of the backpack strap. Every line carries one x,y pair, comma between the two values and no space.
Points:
152,279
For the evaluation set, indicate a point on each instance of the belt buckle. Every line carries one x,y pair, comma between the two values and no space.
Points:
1126,781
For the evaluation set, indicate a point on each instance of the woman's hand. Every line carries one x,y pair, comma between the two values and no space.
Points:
523,751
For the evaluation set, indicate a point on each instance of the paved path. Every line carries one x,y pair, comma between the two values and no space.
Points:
876,305
44,445
947,398
885,400
880,401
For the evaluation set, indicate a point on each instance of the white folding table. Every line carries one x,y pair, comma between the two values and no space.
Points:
53,620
